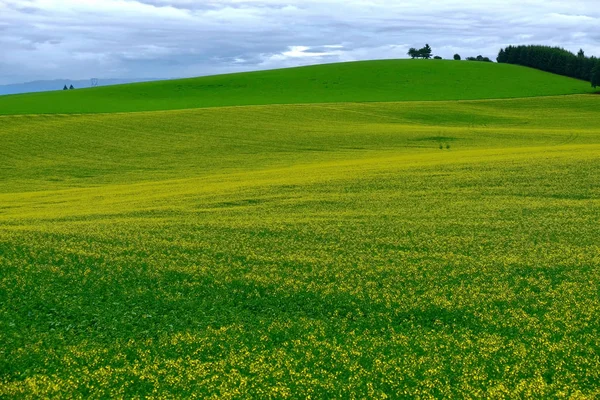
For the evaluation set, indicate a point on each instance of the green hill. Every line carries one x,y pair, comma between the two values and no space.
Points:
368,81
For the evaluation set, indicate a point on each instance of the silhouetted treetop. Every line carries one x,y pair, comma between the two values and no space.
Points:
424,52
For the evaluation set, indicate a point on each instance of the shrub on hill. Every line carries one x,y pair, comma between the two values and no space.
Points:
479,58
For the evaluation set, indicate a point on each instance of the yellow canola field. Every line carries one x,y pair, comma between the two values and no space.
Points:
378,250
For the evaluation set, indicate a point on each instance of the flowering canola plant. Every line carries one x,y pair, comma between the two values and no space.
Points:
377,250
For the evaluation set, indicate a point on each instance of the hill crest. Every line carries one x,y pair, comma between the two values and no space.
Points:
363,81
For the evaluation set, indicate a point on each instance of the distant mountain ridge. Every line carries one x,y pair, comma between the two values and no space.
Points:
58,84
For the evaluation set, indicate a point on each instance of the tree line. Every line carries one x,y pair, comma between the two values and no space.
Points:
426,53
554,59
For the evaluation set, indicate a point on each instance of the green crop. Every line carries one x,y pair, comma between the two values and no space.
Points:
427,249
368,81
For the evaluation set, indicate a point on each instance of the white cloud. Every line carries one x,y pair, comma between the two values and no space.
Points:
303,51
42,39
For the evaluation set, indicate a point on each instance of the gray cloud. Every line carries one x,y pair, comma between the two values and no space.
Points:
45,39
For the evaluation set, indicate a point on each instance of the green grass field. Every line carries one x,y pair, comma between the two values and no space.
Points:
342,250
367,81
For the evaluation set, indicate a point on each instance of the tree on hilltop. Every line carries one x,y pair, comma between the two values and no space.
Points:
424,52
65,88
71,87
502,57
457,57
596,75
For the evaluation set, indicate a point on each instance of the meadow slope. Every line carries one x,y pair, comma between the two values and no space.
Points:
426,249
365,81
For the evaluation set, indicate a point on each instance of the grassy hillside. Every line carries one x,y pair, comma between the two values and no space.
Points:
370,81
327,250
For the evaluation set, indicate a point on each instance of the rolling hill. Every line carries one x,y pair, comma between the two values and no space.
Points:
422,249
369,81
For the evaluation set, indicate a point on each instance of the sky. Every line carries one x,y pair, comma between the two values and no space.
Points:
81,39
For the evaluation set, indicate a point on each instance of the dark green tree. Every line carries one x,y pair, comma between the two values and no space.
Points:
425,52
501,56
65,88
437,58
71,87
457,57
596,75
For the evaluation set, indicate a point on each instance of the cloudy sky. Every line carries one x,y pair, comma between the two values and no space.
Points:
80,39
